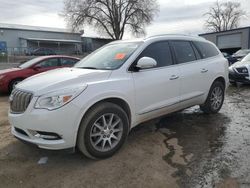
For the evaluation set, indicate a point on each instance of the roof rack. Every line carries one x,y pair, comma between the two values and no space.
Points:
162,35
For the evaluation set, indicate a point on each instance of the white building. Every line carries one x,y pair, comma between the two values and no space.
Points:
19,39
230,41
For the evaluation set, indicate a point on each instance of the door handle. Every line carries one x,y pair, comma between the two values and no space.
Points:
173,77
203,70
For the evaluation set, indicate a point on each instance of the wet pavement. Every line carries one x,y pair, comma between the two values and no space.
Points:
184,149
214,147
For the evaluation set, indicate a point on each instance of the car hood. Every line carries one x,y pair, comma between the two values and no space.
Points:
60,78
240,64
4,71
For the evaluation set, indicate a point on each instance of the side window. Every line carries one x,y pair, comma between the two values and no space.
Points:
206,49
197,54
49,63
160,51
183,51
68,62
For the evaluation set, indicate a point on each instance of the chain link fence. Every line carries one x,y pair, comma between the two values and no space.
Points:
20,55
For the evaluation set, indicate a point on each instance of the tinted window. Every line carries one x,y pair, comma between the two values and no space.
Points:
183,51
49,63
197,53
68,62
160,51
206,49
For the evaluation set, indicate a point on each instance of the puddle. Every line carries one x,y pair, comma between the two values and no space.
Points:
209,149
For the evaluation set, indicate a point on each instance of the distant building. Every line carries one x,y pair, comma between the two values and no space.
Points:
230,41
92,43
20,39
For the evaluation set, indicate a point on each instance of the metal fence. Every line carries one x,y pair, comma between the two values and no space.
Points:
18,55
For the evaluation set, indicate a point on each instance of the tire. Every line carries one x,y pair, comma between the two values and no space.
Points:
93,133
13,83
214,99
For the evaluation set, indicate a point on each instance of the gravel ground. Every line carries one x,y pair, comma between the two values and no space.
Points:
184,149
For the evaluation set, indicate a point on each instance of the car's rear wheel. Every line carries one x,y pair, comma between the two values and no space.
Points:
103,131
13,83
214,99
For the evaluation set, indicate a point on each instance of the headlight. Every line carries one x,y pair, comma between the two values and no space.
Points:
242,70
59,98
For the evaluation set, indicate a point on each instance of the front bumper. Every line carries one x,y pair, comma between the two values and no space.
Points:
236,77
61,122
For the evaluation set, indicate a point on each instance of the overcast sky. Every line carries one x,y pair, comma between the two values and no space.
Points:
175,16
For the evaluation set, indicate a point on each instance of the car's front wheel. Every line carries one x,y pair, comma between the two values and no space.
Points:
214,99
103,130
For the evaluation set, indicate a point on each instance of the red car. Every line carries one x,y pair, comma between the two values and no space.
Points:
10,77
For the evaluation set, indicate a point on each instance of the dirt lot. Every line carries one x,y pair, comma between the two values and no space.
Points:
185,149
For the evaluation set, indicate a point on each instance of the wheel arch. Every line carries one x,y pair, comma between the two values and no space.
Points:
220,79
13,79
115,100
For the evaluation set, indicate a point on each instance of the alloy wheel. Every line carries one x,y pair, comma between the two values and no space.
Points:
106,132
216,98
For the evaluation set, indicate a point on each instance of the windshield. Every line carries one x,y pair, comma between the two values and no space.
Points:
241,52
109,57
30,62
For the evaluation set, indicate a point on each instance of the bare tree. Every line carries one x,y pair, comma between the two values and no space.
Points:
224,16
111,17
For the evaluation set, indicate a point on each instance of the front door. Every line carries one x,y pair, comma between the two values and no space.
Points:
47,64
157,89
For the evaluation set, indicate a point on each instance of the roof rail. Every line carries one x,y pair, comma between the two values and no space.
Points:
162,35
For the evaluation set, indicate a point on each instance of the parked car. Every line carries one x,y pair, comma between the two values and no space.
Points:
10,77
225,54
41,52
239,72
95,104
237,56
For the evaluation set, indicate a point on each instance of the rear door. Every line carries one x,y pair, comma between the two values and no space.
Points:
193,71
157,89
210,63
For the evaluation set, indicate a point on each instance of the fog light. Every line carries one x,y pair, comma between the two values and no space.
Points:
47,135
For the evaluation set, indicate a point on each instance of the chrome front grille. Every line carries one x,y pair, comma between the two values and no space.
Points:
19,101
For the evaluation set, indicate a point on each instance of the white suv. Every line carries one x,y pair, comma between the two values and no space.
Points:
95,104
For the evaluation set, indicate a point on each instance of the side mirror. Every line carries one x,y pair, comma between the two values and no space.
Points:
146,62
37,67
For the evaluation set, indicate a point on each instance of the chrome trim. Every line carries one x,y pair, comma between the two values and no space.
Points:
183,100
158,108
173,77
19,101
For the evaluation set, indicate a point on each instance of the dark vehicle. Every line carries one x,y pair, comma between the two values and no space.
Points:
41,52
239,72
10,77
225,54
238,56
